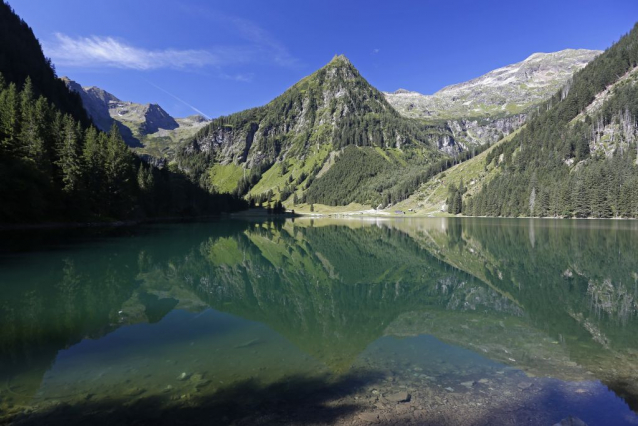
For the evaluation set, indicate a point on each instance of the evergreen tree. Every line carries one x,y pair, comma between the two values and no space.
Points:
118,165
69,157
34,133
93,158
9,118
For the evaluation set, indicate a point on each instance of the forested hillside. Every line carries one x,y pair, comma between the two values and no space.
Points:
577,158
55,166
298,142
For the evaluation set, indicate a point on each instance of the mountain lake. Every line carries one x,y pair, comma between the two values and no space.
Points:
437,321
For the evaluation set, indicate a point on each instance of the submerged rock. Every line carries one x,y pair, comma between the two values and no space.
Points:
402,396
369,417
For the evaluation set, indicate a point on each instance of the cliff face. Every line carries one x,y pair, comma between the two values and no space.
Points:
96,103
473,132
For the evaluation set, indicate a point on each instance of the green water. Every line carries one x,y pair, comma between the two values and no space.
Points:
322,321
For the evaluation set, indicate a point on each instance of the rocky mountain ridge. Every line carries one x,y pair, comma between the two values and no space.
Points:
486,108
508,90
145,127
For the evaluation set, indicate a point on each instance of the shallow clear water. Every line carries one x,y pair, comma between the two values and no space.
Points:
353,321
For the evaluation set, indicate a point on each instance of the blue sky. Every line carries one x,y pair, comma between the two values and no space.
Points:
220,57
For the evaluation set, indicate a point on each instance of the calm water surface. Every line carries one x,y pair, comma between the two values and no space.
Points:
324,321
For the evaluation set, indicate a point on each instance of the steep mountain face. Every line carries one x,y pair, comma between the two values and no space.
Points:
486,108
147,127
96,103
333,103
288,142
577,157
150,117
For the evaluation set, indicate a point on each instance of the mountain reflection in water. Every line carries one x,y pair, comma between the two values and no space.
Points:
435,321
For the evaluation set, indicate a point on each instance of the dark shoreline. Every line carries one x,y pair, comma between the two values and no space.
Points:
115,224
251,213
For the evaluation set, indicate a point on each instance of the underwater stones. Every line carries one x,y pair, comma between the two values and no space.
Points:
183,376
401,396
524,385
468,384
369,417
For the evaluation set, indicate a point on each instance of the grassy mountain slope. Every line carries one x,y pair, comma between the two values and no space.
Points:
431,197
299,140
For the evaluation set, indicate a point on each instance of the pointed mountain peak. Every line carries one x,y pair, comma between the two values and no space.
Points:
339,60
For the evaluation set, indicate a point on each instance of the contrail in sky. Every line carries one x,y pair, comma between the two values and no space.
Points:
179,99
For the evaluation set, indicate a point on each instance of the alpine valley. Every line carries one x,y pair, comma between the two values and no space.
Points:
300,262
553,135
383,145
334,140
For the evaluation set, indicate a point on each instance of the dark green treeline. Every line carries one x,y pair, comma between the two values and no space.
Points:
54,168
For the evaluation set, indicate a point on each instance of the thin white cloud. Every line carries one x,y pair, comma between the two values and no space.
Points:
255,45
179,99
375,51
98,51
